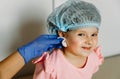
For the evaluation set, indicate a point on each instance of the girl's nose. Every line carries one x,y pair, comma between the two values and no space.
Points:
88,41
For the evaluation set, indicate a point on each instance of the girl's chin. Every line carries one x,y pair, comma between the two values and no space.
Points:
86,54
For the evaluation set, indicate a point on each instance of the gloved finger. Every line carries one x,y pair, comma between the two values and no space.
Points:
49,36
55,41
61,39
50,49
59,46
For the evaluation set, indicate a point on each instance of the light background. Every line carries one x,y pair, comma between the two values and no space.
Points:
20,23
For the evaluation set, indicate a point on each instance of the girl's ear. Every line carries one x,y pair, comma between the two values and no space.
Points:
61,34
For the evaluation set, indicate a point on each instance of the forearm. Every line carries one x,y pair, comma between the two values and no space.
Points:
11,65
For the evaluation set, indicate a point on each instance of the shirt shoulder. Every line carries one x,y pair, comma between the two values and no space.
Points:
96,59
100,57
46,65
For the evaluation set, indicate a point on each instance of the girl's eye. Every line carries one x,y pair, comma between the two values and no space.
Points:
94,34
81,34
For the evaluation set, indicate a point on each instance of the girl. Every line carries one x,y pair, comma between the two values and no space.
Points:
78,23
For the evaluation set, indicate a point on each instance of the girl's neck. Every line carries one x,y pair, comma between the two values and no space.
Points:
77,61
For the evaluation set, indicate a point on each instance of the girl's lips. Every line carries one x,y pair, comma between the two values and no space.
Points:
86,48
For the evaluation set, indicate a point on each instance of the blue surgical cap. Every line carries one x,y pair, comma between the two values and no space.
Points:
73,14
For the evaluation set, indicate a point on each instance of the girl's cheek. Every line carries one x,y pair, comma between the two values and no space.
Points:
77,42
72,42
95,43
96,40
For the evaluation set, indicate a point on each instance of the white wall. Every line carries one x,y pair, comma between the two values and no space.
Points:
20,23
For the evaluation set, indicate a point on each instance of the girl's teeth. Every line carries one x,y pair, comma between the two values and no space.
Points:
86,48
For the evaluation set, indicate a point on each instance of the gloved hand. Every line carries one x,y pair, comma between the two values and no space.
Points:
38,46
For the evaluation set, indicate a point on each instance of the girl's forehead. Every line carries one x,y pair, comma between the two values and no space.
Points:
88,29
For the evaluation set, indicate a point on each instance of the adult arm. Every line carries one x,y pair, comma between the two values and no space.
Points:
11,65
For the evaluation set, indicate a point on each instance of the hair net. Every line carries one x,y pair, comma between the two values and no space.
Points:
73,14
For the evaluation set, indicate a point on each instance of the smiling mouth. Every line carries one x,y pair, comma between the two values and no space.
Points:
86,48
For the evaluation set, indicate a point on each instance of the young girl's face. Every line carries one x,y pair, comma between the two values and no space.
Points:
81,41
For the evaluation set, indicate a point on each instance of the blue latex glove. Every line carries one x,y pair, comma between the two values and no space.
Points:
38,46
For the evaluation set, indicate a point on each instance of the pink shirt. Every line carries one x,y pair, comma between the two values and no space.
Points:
56,66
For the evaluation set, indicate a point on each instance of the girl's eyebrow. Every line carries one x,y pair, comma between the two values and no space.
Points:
96,31
82,31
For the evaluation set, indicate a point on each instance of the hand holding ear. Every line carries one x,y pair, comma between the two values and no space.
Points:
38,46
64,43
